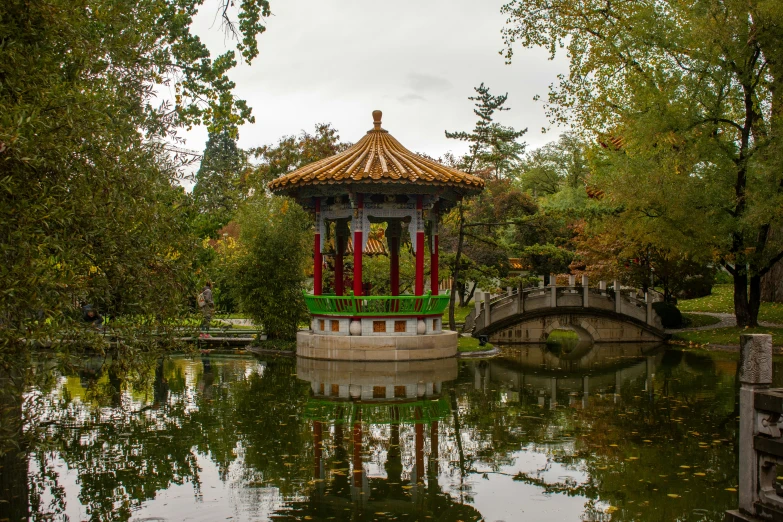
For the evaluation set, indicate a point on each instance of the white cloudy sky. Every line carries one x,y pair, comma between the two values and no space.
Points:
416,60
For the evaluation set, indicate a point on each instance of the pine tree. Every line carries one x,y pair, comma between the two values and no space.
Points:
492,145
219,183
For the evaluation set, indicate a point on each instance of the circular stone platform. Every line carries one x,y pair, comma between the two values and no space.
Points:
377,347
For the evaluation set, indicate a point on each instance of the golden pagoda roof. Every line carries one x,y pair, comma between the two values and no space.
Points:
375,159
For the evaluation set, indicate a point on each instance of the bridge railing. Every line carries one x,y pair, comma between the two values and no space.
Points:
632,302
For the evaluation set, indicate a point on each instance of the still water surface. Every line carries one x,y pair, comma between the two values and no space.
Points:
610,432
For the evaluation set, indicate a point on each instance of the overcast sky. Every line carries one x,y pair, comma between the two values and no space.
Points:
416,60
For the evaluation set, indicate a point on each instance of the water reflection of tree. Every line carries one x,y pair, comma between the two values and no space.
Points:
139,429
606,440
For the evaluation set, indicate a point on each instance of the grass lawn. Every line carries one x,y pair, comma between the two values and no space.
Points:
471,344
722,301
460,313
697,320
727,335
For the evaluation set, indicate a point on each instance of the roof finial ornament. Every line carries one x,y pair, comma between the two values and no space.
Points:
376,119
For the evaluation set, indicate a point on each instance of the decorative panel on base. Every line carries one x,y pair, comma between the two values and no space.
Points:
377,347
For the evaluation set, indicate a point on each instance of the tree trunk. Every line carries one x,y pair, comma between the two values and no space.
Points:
772,281
741,305
461,293
772,284
472,291
455,275
754,299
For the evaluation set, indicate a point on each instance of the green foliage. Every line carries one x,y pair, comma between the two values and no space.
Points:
684,98
555,166
546,259
269,271
492,146
471,344
375,271
721,300
293,152
220,183
698,320
89,208
669,313
728,336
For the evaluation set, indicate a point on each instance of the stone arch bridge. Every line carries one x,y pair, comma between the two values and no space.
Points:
599,315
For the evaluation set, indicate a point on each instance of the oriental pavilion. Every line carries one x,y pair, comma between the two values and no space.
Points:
377,180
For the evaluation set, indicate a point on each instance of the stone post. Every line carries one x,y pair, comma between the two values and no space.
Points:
520,300
553,285
477,301
618,297
585,390
585,292
755,375
509,291
602,287
571,284
648,300
487,320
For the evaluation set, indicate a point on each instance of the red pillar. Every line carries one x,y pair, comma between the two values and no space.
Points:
339,282
434,283
394,264
318,261
318,443
358,469
419,449
419,286
357,247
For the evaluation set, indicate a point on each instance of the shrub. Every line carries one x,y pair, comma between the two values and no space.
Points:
670,315
269,271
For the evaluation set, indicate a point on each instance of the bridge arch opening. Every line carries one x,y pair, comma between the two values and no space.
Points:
568,342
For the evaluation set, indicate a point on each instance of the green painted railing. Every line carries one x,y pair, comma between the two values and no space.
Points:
344,412
350,305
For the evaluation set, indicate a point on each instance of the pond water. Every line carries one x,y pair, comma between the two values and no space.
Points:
609,432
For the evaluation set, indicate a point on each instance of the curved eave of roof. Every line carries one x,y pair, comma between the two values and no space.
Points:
378,158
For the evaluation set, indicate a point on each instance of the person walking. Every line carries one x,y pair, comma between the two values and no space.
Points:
207,306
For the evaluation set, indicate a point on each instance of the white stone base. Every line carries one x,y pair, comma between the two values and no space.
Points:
377,347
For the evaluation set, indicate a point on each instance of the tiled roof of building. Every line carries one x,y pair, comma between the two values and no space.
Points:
373,247
377,158
515,263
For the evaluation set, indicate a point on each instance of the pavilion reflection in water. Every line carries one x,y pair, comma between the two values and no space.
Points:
376,441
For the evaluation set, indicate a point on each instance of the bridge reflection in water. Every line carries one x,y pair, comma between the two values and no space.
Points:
556,376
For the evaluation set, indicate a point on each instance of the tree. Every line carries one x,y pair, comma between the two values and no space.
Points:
293,152
270,270
772,281
689,95
491,145
220,183
493,149
555,166
88,197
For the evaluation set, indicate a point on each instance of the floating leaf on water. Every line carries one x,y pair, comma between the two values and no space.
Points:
733,490
648,441
613,445
611,509
685,467
699,474
673,495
